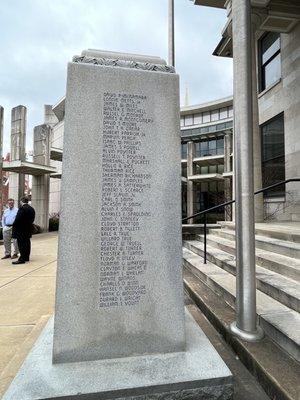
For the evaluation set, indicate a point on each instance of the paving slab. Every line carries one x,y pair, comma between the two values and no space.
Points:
28,299
26,294
11,337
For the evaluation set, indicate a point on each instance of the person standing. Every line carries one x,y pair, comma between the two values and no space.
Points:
8,219
22,229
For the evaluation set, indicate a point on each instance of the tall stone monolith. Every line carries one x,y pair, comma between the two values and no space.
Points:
17,152
120,329
121,187
41,183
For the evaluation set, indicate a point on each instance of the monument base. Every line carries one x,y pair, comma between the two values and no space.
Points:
198,373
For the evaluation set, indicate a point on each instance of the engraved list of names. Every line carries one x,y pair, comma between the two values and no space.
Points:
122,260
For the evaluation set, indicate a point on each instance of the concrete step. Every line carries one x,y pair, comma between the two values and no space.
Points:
246,386
278,321
280,288
276,371
283,231
283,265
283,247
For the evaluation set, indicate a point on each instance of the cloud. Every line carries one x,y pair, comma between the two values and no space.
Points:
38,38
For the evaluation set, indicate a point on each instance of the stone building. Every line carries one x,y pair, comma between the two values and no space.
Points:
206,143
276,78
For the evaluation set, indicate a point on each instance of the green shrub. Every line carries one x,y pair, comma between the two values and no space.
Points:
54,222
36,229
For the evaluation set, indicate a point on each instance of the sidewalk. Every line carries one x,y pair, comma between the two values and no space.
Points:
26,295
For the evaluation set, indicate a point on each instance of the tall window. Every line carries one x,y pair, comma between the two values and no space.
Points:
184,151
273,157
270,61
210,147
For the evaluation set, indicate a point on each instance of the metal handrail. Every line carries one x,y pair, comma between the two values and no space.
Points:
227,203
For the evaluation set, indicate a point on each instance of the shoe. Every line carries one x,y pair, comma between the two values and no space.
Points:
14,256
3,258
18,262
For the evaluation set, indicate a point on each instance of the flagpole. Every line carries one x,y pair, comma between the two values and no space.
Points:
171,42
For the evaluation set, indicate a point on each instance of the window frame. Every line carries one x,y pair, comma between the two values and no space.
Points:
272,194
263,65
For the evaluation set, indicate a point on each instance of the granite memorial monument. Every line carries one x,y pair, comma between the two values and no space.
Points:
120,330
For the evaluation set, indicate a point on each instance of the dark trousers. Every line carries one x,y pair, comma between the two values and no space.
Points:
24,248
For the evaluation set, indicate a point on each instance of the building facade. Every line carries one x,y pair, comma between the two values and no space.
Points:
276,100
207,157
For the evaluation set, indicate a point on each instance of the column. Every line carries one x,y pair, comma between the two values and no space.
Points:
227,181
190,184
18,142
40,183
1,154
245,326
49,117
233,177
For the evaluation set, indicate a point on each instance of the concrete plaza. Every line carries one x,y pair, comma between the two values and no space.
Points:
26,301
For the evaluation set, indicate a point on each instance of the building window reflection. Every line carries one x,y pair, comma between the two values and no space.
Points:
270,59
184,151
209,194
211,147
273,155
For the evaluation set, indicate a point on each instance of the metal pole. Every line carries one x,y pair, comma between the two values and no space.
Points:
245,326
190,184
205,238
171,40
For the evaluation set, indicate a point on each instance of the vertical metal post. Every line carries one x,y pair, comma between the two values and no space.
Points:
245,326
205,239
171,38
190,184
227,181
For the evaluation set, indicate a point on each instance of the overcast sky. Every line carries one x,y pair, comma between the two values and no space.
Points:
39,37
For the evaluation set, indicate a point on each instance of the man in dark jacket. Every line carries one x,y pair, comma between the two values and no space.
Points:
22,230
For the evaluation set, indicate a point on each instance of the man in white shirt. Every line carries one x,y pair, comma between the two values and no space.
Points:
8,219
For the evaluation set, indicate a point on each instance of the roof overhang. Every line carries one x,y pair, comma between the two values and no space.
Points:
271,15
210,105
59,109
224,47
228,174
205,177
56,175
186,137
209,160
27,168
210,3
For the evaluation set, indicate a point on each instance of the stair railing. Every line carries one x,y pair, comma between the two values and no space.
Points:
227,203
